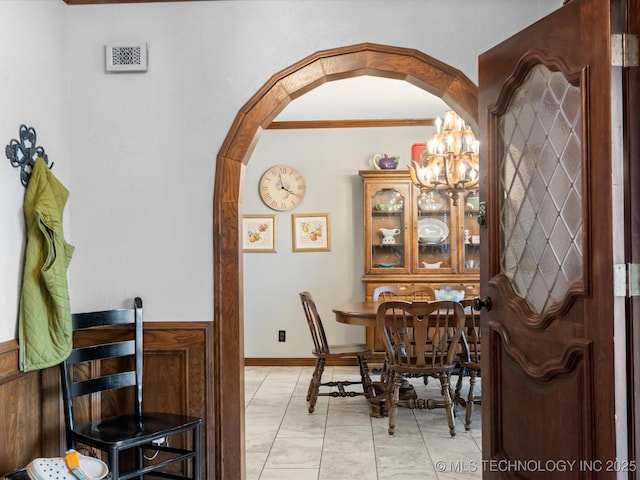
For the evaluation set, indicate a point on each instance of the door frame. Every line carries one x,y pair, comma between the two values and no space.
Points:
631,92
410,65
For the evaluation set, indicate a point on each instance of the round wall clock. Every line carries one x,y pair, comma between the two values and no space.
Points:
282,187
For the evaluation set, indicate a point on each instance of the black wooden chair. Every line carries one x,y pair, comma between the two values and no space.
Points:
323,351
103,373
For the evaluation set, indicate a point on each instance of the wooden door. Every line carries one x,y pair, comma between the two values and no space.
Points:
553,373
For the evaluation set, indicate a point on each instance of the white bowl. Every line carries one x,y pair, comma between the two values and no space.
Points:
430,207
431,265
430,239
447,294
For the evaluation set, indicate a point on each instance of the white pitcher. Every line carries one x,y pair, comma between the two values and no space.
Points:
388,235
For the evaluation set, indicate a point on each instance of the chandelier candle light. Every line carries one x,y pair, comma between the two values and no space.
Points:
450,161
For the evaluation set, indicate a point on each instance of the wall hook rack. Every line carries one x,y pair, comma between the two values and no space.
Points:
24,152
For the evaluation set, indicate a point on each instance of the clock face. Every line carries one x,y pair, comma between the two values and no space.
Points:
282,187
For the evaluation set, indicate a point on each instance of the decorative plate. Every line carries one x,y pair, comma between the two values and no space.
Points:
386,265
432,231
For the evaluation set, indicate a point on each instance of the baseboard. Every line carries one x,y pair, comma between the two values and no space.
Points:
295,362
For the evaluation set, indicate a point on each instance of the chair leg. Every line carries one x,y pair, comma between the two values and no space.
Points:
394,383
313,377
384,372
139,460
197,469
457,398
448,403
365,376
470,399
114,466
316,381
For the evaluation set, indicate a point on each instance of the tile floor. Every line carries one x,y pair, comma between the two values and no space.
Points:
340,441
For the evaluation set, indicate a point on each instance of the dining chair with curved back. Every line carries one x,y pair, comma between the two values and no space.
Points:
103,373
323,351
386,293
409,293
420,338
469,362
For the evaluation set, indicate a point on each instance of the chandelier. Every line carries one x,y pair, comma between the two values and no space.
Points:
450,161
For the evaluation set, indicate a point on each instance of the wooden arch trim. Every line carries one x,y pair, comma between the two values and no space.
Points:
409,65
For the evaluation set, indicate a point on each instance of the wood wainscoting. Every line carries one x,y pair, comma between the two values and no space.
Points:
178,378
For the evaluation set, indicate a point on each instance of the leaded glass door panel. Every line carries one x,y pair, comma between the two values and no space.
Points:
547,246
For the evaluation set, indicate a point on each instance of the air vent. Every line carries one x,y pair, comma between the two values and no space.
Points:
126,58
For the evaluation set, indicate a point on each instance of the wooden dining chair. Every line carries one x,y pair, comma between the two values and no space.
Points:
420,338
409,293
324,352
386,293
469,362
103,406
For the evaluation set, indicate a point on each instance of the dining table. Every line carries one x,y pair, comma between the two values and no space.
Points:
364,313
357,313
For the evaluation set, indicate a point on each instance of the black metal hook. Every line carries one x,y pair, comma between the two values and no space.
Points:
24,152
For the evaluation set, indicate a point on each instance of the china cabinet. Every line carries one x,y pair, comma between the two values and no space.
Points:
411,237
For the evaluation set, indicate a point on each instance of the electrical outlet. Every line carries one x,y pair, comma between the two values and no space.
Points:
159,441
282,335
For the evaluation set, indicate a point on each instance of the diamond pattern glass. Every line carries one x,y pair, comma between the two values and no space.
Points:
541,188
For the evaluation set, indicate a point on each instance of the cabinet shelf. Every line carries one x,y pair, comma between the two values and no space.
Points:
413,260
387,214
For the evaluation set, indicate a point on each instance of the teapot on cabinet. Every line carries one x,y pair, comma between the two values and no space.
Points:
385,162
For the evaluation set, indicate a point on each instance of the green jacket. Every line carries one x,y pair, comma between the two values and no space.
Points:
44,323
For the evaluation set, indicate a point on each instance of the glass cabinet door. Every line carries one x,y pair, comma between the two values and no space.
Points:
471,232
435,242
387,209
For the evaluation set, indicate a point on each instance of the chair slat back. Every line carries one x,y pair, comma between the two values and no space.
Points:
320,344
408,293
419,335
102,351
113,342
472,334
120,316
101,384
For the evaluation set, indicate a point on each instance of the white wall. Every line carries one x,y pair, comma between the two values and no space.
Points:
33,91
138,150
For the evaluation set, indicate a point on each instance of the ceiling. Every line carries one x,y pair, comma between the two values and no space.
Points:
364,97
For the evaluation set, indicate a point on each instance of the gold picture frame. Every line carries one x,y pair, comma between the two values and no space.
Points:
311,232
259,233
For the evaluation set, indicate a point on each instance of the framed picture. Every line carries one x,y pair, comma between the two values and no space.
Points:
259,233
311,232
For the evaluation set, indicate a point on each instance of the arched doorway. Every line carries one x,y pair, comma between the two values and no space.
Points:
410,65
